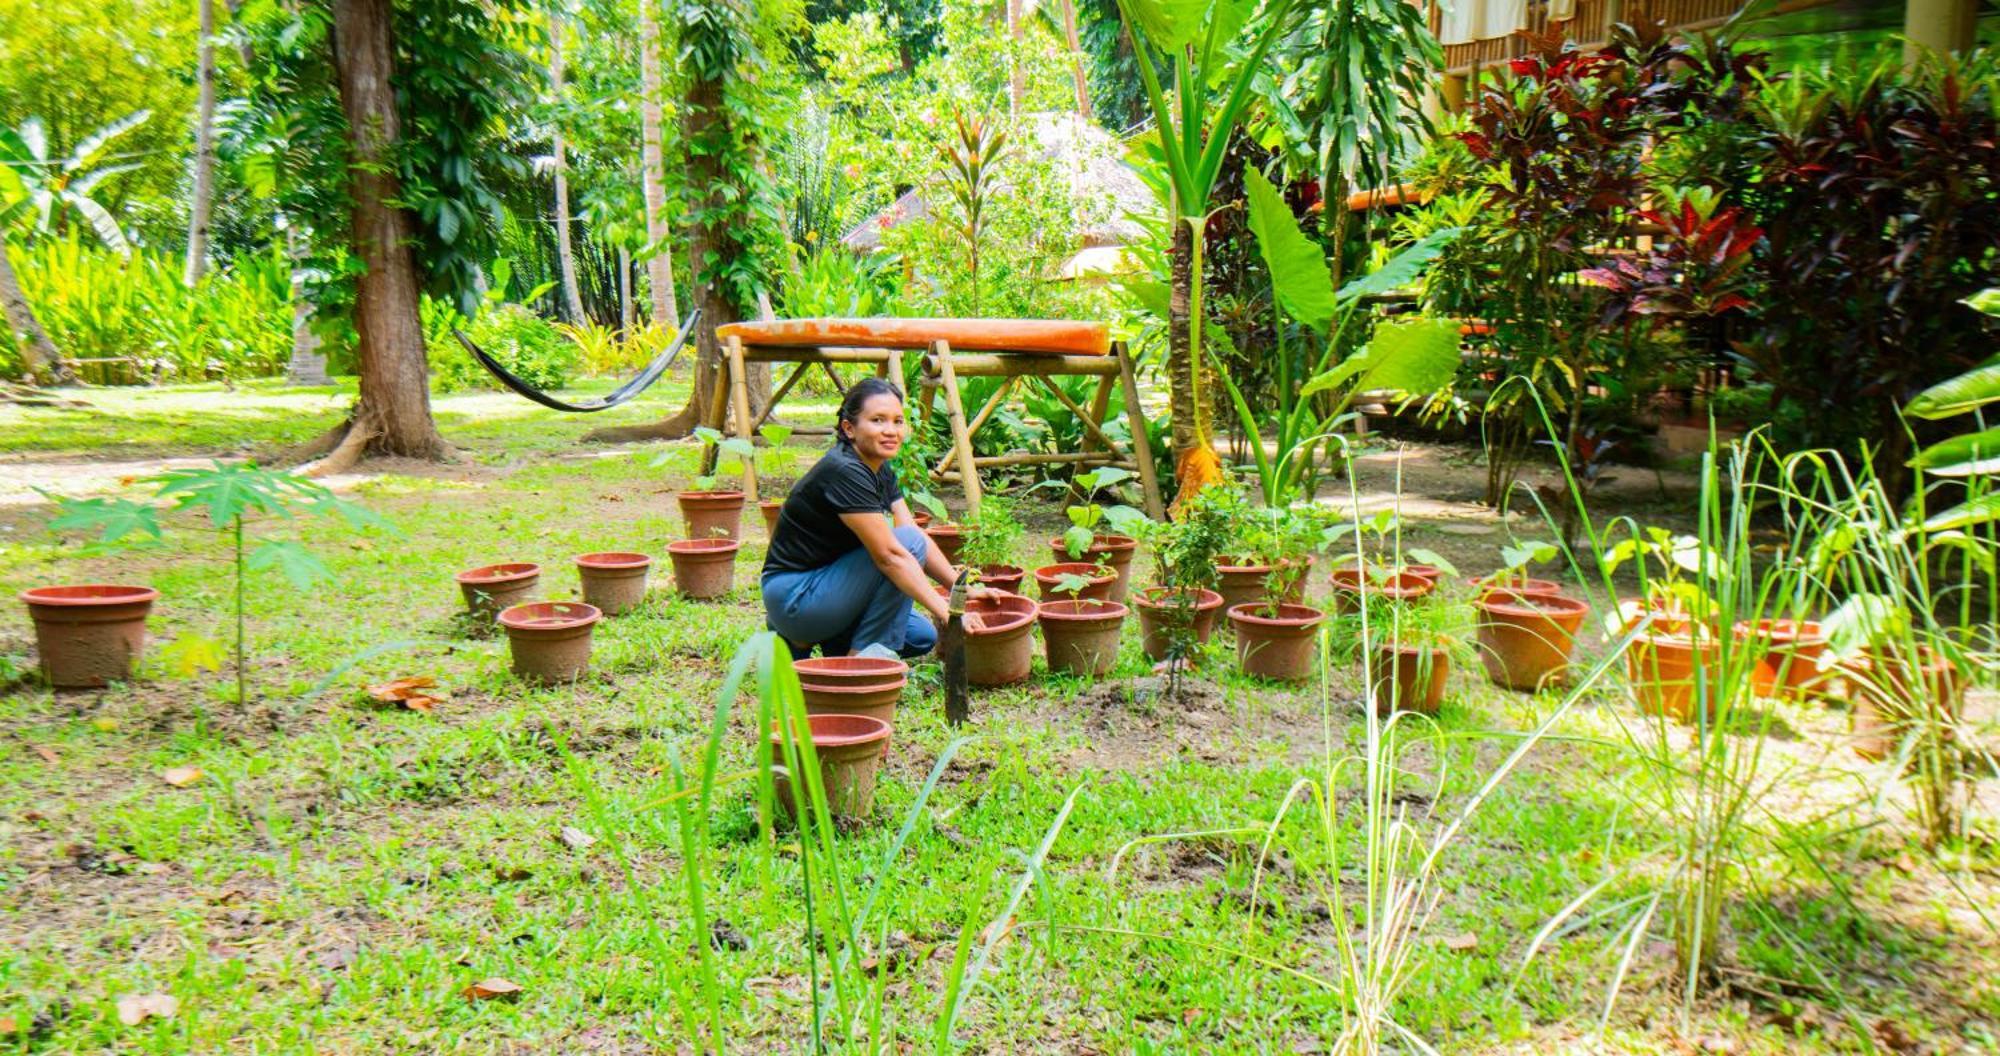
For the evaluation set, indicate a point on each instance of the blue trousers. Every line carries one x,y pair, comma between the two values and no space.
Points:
849,605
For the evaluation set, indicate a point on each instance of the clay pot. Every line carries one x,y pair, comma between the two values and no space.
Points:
1112,551
614,582
1525,638
999,651
923,520
1350,585
1409,678
1162,611
1001,577
1788,653
712,514
1098,589
770,510
704,568
948,538
549,640
1242,580
1081,635
849,671
1886,702
89,635
850,750
1516,584
1663,668
490,588
1430,572
875,701
1275,644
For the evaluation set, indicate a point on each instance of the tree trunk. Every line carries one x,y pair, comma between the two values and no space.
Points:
394,413
624,291
204,151
660,264
41,363
565,251
1196,464
1076,69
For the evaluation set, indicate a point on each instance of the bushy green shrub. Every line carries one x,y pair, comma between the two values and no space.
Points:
526,344
139,323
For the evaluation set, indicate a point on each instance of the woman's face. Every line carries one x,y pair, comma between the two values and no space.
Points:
877,431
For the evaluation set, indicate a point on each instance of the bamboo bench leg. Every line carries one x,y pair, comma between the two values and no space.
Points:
961,438
1142,448
739,393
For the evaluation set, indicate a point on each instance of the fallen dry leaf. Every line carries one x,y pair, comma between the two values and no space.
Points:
574,838
997,930
47,753
134,1009
182,776
9,1025
401,689
1461,942
493,988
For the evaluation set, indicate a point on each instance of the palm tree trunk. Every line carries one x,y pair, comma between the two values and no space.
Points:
624,291
660,265
565,251
1076,70
204,151
41,363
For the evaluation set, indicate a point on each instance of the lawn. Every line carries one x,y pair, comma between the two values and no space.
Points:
341,873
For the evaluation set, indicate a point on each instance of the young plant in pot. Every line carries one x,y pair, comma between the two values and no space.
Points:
1673,660
1177,614
1081,634
709,510
1362,579
1513,572
1086,538
992,545
1411,657
90,635
1275,638
931,515
1525,633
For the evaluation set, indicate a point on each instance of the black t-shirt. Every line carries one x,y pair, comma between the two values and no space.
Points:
810,532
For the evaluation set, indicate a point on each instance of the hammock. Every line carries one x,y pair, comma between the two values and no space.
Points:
639,383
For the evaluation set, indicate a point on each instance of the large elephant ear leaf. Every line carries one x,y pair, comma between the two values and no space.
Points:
1416,356
1974,388
1169,24
1299,274
1401,269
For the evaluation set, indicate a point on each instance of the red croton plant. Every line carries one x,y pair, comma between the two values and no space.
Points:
1701,268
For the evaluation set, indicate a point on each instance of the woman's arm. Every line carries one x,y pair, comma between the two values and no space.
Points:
897,563
934,562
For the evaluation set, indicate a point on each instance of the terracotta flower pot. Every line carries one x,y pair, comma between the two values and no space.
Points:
877,700
1409,678
1887,702
1081,635
614,582
490,588
1114,551
948,538
1788,653
1000,650
704,568
1351,585
1244,580
1098,589
1430,572
850,750
1516,584
923,519
1162,611
1665,681
549,640
1002,577
770,509
848,671
1525,638
1275,644
712,514
89,635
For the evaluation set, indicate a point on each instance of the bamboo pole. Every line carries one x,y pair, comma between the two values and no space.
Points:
1100,405
955,415
1014,364
739,391
1090,427
771,408
992,404
1135,420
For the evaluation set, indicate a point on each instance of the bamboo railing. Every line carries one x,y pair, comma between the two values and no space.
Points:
1590,25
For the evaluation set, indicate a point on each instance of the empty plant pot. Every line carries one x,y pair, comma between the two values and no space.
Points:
1351,585
490,588
1524,638
549,640
1670,670
999,650
1001,577
1163,612
703,568
1081,635
770,510
1112,551
91,634
614,582
1886,703
712,514
877,700
1097,586
948,538
849,671
1275,641
850,750
1788,653
1409,678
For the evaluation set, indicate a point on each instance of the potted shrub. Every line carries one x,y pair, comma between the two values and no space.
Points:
849,749
1069,580
1177,614
1525,637
1276,560
999,649
1896,690
1353,586
991,545
549,641
703,568
1081,634
1412,653
89,635
1084,539
614,582
710,510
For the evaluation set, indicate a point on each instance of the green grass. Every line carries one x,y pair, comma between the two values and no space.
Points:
344,872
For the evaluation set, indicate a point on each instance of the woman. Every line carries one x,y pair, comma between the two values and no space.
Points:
847,559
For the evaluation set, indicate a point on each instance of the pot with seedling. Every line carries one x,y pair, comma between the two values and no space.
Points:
1177,614
1086,538
1275,639
935,520
490,588
1513,572
1276,558
1526,635
1071,580
710,510
1410,659
1673,657
992,544
93,634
